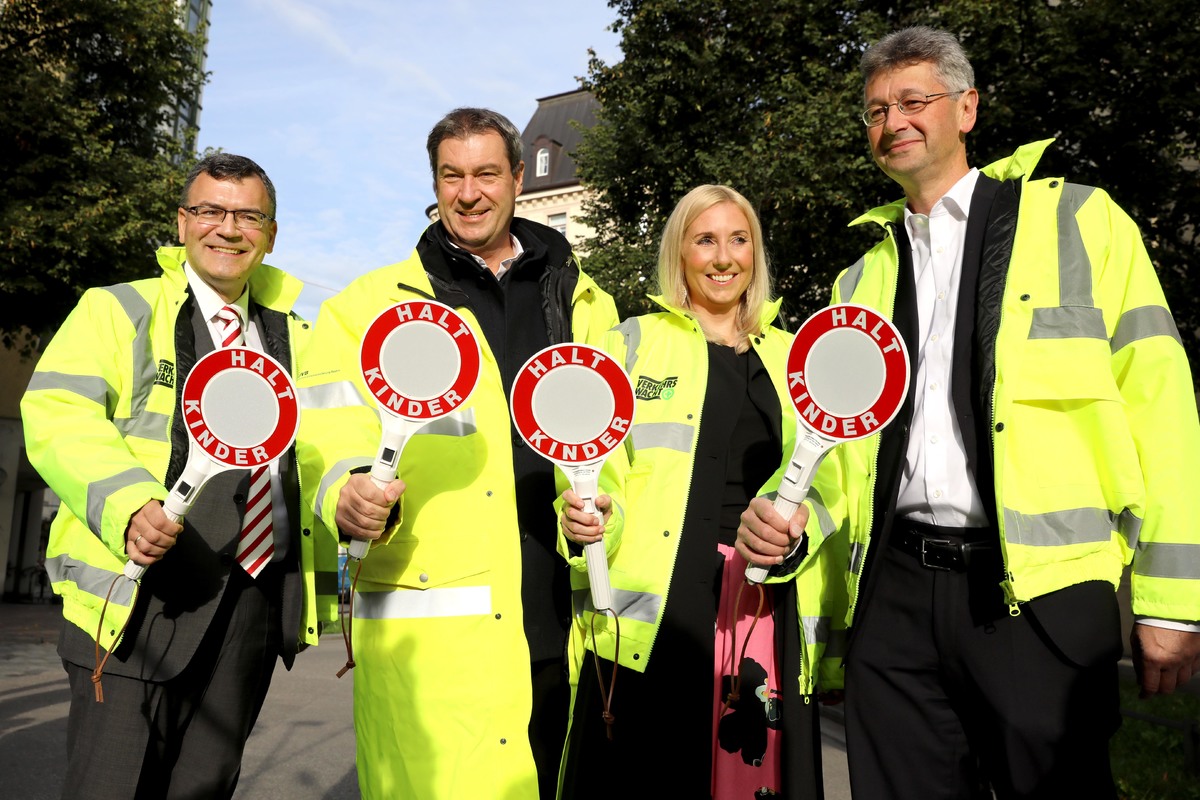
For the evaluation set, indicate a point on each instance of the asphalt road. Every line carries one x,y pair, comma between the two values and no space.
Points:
302,747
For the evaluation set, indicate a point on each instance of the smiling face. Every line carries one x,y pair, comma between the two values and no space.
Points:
718,261
224,255
477,193
925,153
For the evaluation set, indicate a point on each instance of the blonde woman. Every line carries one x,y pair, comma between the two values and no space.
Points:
712,423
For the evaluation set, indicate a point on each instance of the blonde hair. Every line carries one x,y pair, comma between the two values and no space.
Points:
672,284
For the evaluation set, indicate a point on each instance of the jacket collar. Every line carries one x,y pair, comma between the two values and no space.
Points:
269,287
1017,166
770,310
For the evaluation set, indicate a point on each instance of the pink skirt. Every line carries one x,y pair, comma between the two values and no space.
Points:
746,733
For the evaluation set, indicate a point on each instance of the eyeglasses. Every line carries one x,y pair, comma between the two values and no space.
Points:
244,219
908,106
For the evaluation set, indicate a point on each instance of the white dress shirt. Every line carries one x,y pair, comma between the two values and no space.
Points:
210,303
936,487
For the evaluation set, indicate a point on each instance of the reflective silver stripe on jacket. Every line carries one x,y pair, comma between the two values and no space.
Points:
332,476
1074,266
631,330
1071,526
340,394
820,630
142,349
1142,323
636,606
99,491
89,387
1163,560
671,435
849,281
344,394
92,580
459,601
1075,316
148,425
824,519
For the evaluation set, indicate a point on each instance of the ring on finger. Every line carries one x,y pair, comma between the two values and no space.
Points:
138,539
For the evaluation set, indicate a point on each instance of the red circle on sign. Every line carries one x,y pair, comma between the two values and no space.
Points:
398,361
544,414
265,417
863,370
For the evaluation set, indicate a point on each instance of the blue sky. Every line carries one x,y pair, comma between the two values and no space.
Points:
334,98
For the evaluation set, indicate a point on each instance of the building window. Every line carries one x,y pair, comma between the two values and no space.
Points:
543,162
558,222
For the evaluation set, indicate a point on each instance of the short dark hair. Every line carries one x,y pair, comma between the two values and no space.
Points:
463,122
918,45
227,167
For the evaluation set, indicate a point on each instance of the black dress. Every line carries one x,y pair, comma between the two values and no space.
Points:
663,738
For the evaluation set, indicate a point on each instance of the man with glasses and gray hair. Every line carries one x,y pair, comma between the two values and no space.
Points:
1049,439
167,679
463,604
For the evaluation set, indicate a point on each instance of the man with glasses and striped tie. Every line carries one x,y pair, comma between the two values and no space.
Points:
232,589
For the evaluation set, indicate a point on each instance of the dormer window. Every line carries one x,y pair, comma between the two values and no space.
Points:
543,163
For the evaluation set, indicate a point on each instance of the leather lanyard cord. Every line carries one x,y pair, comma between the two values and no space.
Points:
348,617
606,695
100,662
735,682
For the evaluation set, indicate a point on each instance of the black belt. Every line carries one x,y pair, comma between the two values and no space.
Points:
945,549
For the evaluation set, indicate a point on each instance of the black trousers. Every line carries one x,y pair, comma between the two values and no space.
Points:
182,738
948,695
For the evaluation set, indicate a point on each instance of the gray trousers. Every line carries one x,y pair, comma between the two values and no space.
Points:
182,738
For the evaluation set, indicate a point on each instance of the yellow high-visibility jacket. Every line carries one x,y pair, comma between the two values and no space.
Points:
107,385
648,479
442,686
1095,439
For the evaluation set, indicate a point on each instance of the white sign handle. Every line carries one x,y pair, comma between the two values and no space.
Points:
385,467
794,486
585,480
196,472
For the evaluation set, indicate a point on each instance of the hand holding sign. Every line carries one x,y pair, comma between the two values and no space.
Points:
573,404
847,377
420,360
240,410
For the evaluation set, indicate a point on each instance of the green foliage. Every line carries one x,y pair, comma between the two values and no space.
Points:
1150,761
89,167
763,95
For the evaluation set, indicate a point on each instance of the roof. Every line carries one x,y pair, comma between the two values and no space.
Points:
551,128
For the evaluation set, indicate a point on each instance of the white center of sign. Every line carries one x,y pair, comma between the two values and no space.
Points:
240,408
424,362
573,404
832,385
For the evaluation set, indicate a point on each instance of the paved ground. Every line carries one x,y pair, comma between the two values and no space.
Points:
302,747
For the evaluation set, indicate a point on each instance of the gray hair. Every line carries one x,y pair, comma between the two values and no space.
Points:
918,45
463,122
227,167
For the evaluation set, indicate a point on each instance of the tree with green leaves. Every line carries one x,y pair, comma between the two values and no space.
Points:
765,97
89,166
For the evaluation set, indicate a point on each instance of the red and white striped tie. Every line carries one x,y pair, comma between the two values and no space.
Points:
256,544
231,327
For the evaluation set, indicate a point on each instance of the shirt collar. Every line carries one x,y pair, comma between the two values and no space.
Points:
210,302
505,264
956,202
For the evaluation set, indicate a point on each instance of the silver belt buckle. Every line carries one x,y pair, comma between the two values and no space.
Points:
924,562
